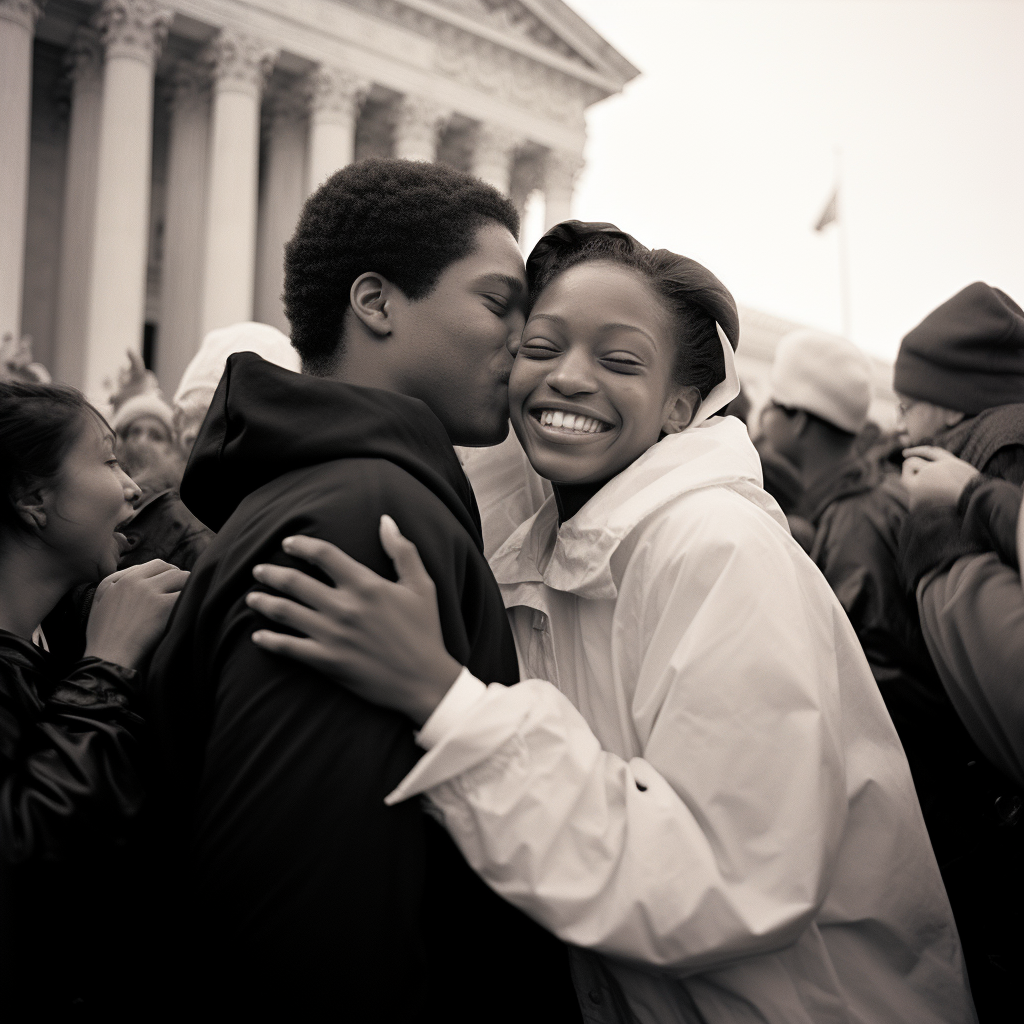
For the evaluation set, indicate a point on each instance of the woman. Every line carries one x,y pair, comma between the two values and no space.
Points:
69,736
697,785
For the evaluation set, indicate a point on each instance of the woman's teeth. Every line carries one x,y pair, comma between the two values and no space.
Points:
570,421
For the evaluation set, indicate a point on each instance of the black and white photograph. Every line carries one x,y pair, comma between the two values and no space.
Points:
511,511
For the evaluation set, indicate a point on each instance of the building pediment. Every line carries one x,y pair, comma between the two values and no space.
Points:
546,31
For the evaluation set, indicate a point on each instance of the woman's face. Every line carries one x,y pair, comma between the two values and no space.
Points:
87,502
592,385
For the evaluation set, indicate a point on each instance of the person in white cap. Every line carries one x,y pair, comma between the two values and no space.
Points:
203,373
145,435
820,394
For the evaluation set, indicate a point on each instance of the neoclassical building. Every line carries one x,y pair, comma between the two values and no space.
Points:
154,154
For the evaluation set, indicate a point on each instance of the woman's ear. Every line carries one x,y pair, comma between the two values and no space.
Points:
368,298
30,506
680,410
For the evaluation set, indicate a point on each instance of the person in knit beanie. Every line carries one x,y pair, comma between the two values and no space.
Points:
959,375
202,375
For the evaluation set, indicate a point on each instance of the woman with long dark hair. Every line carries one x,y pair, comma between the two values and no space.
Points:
70,784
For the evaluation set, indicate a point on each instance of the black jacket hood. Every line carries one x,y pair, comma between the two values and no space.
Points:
266,421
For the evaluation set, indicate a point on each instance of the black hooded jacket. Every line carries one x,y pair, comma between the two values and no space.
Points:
303,893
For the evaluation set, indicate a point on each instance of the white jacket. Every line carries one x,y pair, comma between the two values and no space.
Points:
711,794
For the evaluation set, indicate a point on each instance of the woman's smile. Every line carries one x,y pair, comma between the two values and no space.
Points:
562,425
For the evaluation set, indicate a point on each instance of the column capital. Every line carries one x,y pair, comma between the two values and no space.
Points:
189,81
287,104
22,12
561,169
133,28
84,58
495,144
334,94
419,113
239,62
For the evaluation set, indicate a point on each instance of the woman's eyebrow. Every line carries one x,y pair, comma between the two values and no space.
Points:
608,328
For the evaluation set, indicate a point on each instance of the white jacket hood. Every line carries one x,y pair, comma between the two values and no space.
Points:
576,556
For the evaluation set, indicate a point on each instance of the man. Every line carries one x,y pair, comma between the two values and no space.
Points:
960,378
820,394
304,894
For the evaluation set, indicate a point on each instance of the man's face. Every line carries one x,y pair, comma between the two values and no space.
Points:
456,341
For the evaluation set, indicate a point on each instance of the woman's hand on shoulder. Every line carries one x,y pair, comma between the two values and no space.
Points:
130,611
382,640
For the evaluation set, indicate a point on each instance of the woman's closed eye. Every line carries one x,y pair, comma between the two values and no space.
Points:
622,362
538,348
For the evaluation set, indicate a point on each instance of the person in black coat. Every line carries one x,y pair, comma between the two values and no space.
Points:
71,778
302,894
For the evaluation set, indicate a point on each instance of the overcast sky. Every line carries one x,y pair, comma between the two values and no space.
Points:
723,149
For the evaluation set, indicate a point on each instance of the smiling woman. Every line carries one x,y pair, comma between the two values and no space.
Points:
697,785
70,783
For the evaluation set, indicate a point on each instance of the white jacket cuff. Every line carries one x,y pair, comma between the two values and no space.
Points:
454,706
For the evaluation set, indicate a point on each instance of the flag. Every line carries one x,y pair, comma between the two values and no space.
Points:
831,212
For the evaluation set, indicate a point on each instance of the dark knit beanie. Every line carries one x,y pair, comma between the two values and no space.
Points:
966,355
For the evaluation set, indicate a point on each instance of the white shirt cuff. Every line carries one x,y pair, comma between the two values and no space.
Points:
454,706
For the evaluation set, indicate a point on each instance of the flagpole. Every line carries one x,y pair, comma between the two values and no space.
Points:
844,256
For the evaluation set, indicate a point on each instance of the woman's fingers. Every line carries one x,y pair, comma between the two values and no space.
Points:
291,613
171,580
310,652
410,568
296,584
342,568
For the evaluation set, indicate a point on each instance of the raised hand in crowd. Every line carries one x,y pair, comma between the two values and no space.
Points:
935,476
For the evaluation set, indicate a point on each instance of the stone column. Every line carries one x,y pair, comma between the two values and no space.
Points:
492,155
85,65
132,31
417,123
335,97
182,277
240,66
283,189
561,169
17,25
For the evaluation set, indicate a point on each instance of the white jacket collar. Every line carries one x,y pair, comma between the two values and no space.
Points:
576,557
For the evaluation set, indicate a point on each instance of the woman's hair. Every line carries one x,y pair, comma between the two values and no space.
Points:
697,301
39,423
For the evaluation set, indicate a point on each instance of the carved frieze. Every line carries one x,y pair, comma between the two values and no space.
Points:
133,28
490,67
510,76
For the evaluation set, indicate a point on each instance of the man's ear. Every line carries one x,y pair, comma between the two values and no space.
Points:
680,410
952,417
30,506
368,298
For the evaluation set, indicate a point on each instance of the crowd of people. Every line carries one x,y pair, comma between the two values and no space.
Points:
325,695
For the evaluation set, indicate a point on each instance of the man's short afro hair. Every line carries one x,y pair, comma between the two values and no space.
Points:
405,220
